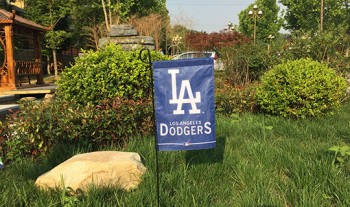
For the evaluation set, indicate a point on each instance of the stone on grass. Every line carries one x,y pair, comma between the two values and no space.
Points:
104,168
28,98
49,97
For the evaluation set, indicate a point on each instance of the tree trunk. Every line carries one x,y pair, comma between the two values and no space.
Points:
55,63
106,16
109,13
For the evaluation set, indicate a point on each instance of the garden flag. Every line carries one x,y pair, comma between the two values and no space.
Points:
184,104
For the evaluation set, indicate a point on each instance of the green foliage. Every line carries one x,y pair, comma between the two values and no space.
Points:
87,21
268,24
85,17
341,153
246,63
122,9
68,197
54,39
144,8
55,14
38,126
300,88
305,15
107,73
48,12
233,99
330,47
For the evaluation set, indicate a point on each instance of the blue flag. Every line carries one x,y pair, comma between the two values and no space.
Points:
184,104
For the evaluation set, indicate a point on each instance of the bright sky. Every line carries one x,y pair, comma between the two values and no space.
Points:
206,15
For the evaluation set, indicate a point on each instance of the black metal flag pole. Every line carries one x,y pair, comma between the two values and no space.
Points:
148,60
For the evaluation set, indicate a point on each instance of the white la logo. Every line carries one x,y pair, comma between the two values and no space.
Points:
185,85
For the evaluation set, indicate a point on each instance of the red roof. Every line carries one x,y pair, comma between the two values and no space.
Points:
7,17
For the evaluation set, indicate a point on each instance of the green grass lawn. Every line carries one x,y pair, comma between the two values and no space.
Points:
259,161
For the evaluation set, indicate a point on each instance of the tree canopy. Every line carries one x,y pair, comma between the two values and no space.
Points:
268,24
54,14
48,12
86,18
306,14
146,7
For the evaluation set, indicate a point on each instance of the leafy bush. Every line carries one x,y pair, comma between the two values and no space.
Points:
244,64
300,88
102,99
37,127
233,99
107,73
330,46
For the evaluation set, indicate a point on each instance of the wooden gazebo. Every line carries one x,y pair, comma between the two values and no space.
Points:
16,29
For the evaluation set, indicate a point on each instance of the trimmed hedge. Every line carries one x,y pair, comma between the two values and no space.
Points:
300,88
107,73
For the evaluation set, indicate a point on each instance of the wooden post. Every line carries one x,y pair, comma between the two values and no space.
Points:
10,59
40,79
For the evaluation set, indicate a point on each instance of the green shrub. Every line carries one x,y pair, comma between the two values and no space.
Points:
300,88
234,99
104,98
330,46
107,73
245,64
37,127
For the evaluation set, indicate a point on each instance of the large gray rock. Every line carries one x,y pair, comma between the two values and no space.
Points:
130,40
129,43
127,37
122,31
104,168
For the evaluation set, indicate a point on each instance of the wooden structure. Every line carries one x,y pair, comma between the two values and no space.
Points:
15,28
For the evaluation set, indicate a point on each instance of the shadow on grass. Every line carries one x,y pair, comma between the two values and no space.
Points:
30,169
209,156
